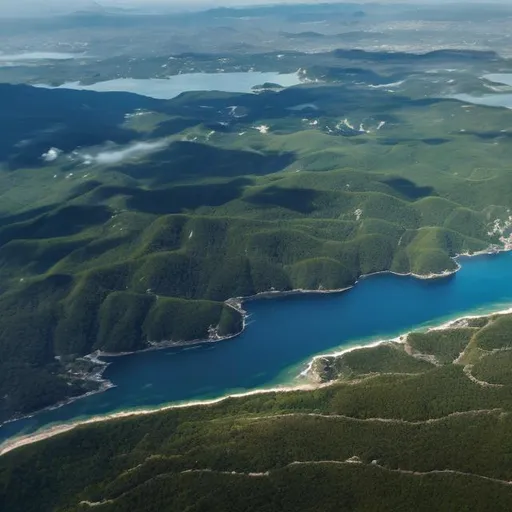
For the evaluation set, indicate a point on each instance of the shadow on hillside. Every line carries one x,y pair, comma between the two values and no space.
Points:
83,188
490,135
42,118
330,100
173,126
26,215
300,200
63,222
176,199
191,160
409,189
393,141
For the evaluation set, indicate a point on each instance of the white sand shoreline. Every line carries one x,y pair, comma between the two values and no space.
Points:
401,338
17,442
237,304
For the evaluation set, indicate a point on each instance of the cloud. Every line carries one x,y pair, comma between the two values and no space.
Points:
51,155
118,155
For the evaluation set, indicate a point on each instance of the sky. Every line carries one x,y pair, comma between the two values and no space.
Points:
41,7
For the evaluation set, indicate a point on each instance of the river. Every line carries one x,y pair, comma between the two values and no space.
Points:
284,333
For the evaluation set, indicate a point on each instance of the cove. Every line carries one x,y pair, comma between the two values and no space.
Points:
487,100
503,99
284,333
168,88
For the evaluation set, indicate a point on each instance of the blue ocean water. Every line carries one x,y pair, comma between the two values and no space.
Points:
283,334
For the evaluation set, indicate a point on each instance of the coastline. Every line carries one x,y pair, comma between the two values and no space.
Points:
402,338
237,304
105,385
18,442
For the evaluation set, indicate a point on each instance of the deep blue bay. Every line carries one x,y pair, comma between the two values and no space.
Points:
284,333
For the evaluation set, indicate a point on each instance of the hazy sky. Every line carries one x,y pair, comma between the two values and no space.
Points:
39,7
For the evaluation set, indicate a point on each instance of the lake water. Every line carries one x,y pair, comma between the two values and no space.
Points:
168,88
488,100
284,333
503,99
499,78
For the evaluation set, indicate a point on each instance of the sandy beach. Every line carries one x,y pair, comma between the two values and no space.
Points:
401,338
17,442
53,431
237,303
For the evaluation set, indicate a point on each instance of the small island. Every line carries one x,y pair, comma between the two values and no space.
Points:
267,87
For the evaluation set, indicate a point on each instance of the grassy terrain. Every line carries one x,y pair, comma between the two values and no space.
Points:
396,433
99,250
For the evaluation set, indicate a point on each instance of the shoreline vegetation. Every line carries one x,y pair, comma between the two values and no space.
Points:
235,303
401,339
122,258
18,442
314,382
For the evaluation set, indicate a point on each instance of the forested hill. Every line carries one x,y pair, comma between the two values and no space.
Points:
420,425
126,221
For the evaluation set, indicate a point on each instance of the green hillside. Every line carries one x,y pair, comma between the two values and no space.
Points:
406,426
104,251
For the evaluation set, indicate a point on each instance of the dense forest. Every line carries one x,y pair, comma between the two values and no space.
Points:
363,138
424,423
227,195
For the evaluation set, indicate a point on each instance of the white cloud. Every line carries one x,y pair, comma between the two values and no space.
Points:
51,155
120,154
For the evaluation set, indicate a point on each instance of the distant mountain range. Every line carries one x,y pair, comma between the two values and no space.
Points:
35,8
